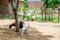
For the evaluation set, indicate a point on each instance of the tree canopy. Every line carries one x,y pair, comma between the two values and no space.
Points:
51,3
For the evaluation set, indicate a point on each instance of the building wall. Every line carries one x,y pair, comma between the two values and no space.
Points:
3,3
21,3
7,4
37,5
10,8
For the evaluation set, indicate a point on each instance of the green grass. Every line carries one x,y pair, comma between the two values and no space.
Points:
6,17
39,18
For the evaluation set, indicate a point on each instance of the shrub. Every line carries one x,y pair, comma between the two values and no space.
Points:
30,17
6,17
25,17
55,19
39,18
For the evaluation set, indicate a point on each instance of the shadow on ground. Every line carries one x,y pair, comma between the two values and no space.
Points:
6,34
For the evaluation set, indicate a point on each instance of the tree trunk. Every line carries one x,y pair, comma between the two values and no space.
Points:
49,16
42,13
58,16
45,14
16,21
15,13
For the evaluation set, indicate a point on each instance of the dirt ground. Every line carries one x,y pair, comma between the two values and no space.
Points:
6,34
38,31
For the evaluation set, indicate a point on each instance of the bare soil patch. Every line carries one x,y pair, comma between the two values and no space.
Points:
6,34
